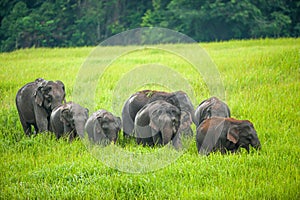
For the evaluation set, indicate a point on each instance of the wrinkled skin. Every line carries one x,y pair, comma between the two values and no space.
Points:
35,102
212,107
225,134
158,123
141,98
103,127
69,119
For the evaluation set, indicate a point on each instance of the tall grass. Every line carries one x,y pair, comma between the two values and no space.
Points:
261,80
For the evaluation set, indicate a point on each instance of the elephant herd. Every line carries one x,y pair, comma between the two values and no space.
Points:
151,117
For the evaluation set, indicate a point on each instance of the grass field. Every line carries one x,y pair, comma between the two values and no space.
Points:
262,84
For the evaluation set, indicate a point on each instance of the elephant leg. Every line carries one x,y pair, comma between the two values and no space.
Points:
67,131
72,135
36,130
157,137
27,128
138,141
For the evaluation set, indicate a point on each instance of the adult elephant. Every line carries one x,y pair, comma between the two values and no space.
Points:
141,98
225,134
212,107
158,123
103,127
70,119
35,102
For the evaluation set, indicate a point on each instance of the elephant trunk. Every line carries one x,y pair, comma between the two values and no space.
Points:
79,127
257,145
168,128
255,141
112,135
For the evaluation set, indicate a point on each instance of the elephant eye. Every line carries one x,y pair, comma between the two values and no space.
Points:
159,112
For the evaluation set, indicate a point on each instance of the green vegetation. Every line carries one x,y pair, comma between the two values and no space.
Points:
261,79
40,23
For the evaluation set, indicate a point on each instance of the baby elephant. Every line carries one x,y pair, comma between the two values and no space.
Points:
69,118
212,107
225,134
103,127
158,123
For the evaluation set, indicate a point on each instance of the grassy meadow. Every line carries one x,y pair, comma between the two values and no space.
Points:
261,79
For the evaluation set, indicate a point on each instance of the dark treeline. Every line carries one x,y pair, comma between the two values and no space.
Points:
65,23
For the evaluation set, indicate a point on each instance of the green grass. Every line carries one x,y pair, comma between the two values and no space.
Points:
262,83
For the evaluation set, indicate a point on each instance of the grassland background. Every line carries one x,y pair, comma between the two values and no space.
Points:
261,80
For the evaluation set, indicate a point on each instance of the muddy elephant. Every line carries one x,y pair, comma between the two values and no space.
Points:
35,102
158,123
103,127
212,107
69,119
141,98
225,135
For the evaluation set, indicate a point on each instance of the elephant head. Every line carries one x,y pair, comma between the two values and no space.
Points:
103,127
242,134
157,123
226,134
212,107
74,117
49,94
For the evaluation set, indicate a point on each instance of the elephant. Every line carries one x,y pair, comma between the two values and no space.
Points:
225,134
103,127
212,107
158,123
138,100
69,118
35,102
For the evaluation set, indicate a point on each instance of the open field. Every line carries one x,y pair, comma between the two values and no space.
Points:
261,79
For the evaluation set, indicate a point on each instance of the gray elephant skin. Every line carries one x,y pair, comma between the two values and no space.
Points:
69,119
212,107
158,123
225,135
141,98
35,102
103,127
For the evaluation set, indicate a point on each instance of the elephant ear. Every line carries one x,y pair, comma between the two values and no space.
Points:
61,84
233,134
64,113
39,92
97,127
39,98
201,110
154,119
